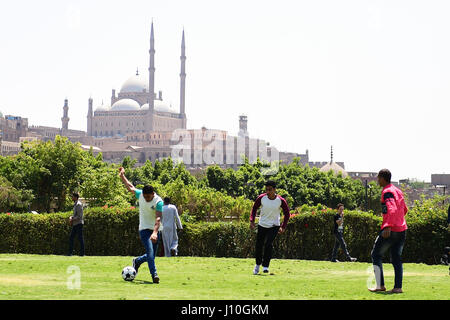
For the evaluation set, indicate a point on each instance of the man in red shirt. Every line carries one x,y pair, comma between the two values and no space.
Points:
393,232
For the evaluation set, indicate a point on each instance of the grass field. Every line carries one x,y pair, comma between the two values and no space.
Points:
46,277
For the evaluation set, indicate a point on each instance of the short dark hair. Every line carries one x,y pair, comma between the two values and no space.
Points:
271,183
166,200
385,174
340,205
76,195
148,190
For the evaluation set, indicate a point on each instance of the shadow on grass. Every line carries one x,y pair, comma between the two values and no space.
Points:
387,293
142,282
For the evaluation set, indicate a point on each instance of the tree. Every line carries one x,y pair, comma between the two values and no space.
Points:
50,169
12,199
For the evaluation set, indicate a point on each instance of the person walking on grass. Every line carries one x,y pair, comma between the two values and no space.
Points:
393,232
150,227
170,221
268,225
77,222
339,235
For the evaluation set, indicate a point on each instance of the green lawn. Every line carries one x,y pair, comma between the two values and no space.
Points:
46,277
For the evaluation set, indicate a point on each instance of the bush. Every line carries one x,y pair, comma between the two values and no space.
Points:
114,231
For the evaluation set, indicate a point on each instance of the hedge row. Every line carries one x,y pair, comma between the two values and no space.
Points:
308,236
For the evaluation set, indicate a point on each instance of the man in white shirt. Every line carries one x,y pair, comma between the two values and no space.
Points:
171,221
268,225
150,212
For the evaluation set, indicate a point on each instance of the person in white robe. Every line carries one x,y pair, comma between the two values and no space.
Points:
170,221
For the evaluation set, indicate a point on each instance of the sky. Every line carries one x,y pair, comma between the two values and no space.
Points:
370,78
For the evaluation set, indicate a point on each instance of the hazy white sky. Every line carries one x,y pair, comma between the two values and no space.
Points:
371,78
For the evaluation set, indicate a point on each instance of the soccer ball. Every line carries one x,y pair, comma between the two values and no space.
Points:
128,273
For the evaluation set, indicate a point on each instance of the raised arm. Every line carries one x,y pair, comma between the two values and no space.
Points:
125,181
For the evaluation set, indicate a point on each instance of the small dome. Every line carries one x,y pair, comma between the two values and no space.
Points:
125,105
136,83
333,166
103,108
161,106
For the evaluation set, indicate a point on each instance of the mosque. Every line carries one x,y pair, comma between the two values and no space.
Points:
136,108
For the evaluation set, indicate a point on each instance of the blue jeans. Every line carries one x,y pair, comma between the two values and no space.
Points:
150,250
76,231
395,244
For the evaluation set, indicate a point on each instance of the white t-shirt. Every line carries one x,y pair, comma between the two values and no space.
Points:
270,211
147,211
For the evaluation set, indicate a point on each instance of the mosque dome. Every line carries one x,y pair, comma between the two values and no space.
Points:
160,106
103,108
125,105
136,83
333,166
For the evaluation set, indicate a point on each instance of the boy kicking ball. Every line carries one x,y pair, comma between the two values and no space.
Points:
150,227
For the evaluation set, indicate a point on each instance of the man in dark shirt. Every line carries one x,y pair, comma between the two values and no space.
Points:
339,235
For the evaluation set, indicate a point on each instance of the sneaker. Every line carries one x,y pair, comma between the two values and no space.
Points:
173,252
155,278
335,260
135,265
256,270
265,269
353,259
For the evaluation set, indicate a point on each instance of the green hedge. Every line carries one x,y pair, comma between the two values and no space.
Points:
308,236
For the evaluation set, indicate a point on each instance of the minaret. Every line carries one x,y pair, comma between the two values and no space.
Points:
90,115
151,83
183,82
65,119
331,154
243,126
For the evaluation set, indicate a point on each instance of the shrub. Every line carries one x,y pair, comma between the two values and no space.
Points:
114,231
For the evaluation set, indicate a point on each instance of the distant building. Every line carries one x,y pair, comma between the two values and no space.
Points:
12,127
363,176
440,179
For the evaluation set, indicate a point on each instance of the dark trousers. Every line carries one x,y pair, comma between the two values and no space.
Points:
76,231
339,242
264,240
394,244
